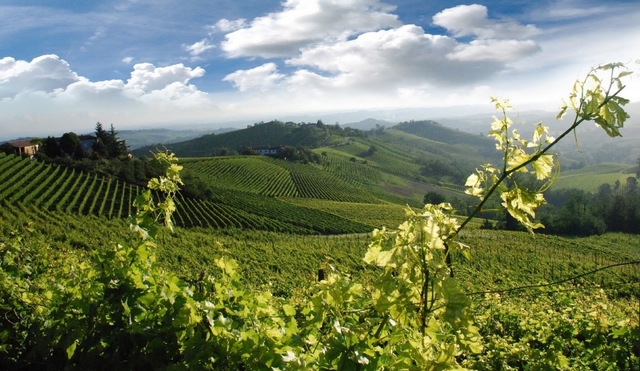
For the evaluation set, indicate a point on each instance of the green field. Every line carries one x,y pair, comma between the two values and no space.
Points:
591,177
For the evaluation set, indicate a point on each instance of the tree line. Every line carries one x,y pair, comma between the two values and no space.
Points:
610,209
102,153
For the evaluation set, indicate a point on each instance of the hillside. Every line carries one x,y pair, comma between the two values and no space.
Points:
271,134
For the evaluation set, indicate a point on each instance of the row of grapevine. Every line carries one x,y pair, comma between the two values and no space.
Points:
352,172
59,188
250,174
55,187
313,182
198,213
299,216
373,215
501,259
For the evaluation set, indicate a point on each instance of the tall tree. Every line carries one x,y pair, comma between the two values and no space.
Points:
115,146
100,145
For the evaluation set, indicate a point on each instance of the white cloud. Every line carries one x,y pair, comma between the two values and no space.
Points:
146,77
225,25
198,48
494,50
262,77
304,22
127,60
405,57
46,73
38,95
571,9
469,20
317,38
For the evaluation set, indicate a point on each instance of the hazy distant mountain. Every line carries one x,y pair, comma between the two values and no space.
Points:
368,124
145,137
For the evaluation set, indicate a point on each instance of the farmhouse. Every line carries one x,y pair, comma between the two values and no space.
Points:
267,151
20,147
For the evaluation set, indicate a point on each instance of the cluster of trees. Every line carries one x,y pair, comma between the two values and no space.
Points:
104,154
298,154
436,168
610,209
105,145
293,154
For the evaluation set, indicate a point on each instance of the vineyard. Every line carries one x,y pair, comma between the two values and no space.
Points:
500,259
58,188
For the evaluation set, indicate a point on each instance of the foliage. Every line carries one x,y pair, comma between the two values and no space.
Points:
433,197
70,145
107,144
575,212
556,331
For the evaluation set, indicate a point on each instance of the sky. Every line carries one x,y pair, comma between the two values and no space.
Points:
65,65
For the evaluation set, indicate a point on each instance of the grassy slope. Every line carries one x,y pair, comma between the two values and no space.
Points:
590,177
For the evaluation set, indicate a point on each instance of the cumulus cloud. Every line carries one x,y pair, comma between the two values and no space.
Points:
46,73
359,45
473,20
304,22
147,77
127,60
39,94
261,77
198,48
407,56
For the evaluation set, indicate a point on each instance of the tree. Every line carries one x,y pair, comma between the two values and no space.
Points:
433,197
50,147
70,145
115,146
100,145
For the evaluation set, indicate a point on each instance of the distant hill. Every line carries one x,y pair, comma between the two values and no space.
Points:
147,137
439,133
270,134
368,124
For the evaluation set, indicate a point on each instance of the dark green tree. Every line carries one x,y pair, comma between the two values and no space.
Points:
70,145
100,145
115,146
433,198
50,147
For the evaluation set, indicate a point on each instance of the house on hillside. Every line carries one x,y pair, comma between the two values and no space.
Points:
20,147
267,151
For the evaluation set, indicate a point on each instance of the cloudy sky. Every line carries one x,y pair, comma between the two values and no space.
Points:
65,65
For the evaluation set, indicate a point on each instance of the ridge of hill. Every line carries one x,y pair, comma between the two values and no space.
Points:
271,134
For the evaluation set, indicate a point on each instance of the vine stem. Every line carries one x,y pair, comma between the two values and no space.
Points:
576,122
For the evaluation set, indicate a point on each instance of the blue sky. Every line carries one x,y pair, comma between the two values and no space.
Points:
67,64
